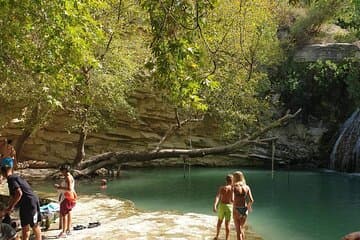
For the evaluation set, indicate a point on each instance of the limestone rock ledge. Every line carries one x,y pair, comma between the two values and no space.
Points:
328,51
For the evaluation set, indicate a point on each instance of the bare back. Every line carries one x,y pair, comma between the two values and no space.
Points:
241,192
226,194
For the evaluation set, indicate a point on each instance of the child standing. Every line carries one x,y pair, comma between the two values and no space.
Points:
223,205
67,199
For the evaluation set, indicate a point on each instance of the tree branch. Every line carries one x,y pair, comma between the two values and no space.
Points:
176,127
107,159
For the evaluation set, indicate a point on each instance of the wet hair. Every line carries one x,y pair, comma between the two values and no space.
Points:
239,177
229,178
65,167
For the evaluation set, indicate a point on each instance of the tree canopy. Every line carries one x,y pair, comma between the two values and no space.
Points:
206,57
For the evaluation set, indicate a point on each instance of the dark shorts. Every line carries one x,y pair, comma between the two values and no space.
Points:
243,211
66,206
30,213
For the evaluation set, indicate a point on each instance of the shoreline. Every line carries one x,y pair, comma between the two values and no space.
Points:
121,220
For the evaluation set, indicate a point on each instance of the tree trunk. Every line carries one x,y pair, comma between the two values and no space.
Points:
80,151
30,125
20,144
107,159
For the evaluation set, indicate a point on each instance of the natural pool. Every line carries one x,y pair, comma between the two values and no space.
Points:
293,205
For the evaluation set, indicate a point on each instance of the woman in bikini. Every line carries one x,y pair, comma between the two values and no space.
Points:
243,200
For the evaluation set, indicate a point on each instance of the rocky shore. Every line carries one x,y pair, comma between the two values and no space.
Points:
120,220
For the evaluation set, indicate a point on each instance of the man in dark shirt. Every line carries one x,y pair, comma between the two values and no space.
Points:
21,195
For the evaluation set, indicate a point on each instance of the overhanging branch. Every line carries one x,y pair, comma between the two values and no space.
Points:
111,158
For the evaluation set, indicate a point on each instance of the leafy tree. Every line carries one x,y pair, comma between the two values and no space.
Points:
42,44
331,85
320,12
246,45
100,92
350,17
209,56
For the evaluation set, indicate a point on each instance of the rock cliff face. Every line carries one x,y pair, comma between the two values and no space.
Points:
329,51
54,144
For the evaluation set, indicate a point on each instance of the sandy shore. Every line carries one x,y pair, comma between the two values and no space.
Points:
121,220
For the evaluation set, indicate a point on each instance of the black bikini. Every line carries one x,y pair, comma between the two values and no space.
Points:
243,211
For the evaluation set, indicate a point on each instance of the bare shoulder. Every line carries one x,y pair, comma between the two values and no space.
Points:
352,236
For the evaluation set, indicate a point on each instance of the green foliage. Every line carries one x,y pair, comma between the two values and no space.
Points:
43,45
347,37
85,56
320,12
209,56
178,58
350,18
100,93
249,44
323,89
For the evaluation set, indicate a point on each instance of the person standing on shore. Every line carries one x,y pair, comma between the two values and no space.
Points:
243,201
67,200
223,205
23,196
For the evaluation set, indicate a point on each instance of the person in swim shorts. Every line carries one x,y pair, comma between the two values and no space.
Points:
223,205
243,201
67,200
23,196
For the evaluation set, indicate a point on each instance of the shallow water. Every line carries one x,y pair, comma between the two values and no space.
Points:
293,205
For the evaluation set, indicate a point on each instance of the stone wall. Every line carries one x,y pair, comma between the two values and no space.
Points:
328,51
54,144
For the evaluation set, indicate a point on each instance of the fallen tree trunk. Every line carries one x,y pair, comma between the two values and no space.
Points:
107,159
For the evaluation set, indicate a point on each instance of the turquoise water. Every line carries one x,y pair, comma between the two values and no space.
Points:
293,205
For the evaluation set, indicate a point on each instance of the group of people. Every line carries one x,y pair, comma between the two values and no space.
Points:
235,200
23,197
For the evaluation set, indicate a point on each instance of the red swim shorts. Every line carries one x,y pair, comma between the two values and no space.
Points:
66,206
